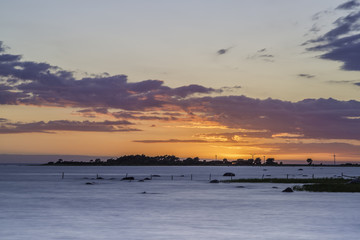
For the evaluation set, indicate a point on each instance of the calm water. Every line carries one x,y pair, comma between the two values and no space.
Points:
36,203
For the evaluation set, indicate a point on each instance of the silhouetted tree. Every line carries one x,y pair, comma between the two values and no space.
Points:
309,161
257,161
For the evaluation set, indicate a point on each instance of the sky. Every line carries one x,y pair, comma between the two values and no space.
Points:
213,79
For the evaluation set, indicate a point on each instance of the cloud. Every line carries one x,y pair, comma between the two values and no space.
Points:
171,141
312,148
66,125
223,51
305,75
342,43
311,118
263,55
41,84
348,5
2,47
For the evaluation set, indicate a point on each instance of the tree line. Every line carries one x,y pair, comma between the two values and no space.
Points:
164,160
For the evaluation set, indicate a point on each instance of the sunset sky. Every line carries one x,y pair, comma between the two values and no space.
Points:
193,78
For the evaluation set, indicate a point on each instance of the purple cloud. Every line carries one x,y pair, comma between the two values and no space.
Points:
342,42
42,84
349,5
66,125
310,118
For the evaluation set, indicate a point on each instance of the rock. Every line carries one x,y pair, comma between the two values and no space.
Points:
355,181
155,175
288,189
214,181
99,178
275,187
229,174
127,178
90,183
147,179
300,169
240,187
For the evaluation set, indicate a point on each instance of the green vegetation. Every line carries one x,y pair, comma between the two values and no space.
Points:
310,184
290,180
326,187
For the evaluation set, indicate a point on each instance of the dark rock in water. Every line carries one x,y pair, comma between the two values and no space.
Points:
141,180
143,192
275,187
288,189
229,174
147,179
90,183
155,175
268,175
265,169
300,169
127,178
240,187
214,181
99,178
112,178
182,176
355,181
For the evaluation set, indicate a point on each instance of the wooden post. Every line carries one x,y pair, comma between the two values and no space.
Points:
262,176
210,177
126,175
151,177
62,175
172,177
313,176
287,176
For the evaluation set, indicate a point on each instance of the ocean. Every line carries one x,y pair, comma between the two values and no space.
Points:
177,203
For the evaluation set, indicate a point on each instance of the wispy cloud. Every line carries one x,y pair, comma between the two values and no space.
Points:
305,75
262,54
66,125
171,141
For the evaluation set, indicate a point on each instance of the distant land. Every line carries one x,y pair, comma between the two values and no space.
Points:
136,160
29,159
171,160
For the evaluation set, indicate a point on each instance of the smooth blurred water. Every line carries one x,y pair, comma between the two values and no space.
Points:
36,203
